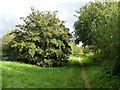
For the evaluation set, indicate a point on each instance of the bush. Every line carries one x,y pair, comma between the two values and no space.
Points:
86,50
43,41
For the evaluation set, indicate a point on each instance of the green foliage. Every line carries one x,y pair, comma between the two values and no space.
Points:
42,40
97,26
73,60
75,48
6,38
97,77
100,79
87,61
86,49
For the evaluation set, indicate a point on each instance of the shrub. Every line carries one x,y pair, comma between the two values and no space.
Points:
42,40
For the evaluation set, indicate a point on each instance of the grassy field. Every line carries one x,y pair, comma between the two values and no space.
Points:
97,77
19,75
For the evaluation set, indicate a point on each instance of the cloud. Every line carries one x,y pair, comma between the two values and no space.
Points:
12,10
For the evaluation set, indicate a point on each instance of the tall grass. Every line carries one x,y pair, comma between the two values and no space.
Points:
97,77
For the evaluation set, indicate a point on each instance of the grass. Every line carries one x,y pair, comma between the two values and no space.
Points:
97,77
19,75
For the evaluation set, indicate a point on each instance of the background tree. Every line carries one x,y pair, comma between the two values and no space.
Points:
75,48
6,38
42,40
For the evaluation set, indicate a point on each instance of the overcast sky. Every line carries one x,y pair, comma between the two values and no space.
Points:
12,10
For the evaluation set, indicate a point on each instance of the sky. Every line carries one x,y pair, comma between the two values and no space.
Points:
12,10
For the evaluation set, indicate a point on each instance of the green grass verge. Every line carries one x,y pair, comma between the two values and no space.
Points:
100,79
19,75
97,77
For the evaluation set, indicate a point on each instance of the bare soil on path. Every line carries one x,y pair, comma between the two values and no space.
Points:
87,85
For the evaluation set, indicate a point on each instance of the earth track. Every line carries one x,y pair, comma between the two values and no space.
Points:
83,74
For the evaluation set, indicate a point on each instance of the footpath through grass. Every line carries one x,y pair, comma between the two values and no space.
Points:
97,77
19,75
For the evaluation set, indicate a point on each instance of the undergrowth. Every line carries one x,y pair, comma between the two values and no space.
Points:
97,77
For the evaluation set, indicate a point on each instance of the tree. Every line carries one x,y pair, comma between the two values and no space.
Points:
42,40
75,48
97,26
6,38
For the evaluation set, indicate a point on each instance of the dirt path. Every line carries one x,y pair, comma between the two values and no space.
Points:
87,85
